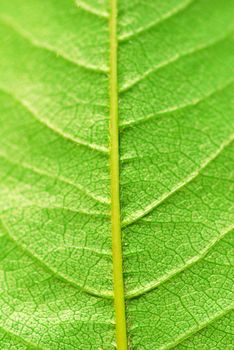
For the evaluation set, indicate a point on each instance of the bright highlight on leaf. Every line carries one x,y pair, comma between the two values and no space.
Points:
116,174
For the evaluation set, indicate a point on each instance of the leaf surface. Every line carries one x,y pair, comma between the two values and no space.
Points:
175,126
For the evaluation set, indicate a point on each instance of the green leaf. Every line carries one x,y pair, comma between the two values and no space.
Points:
66,93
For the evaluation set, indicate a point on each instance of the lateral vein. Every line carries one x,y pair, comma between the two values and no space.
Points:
173,273
150,207
54,273
119,300
197,329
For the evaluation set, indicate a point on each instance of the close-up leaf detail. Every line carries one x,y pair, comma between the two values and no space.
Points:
116,174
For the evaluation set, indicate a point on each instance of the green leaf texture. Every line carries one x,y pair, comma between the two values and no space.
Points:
176,121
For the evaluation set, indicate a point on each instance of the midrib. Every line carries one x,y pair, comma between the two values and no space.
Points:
119,300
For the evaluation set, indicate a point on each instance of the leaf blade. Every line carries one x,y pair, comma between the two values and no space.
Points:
176,180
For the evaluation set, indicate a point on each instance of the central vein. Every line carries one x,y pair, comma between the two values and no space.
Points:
119,300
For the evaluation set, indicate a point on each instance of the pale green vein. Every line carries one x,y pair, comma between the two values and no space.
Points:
8,21
53,128
62,277
56,178
151,206
195,330
189,263
175,58
91,10
176,10
119,299
172,109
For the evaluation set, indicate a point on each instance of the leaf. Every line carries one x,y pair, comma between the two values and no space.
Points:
59,176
